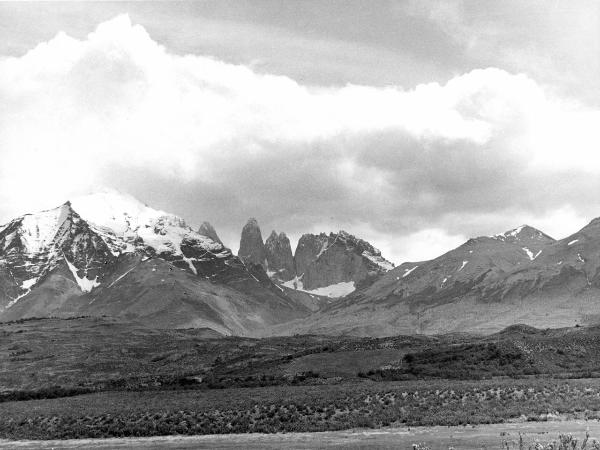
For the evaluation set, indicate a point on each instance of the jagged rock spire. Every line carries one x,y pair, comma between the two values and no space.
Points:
252,247
206,229
280,260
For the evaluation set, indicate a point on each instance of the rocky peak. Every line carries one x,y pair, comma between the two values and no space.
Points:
34,244
206,229
309,248
524,234
325,260
280,262
252,249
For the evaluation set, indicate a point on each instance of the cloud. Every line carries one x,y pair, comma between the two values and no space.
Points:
217,141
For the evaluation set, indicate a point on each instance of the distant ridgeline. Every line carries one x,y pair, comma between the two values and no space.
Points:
109,254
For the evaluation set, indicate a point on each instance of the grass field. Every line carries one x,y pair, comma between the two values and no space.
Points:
300,408
96,377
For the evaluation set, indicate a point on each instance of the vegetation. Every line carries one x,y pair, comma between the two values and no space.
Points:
299,408
464,362
564,442
143,381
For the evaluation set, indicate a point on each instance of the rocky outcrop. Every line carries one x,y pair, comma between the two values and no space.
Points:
330,265
280,261
308,250
206,229
323,260
252,249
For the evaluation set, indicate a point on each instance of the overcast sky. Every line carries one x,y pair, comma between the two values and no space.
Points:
412,124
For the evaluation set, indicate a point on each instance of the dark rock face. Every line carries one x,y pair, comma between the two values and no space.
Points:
308,250
320,260
340,257
280,261
252,248
206,229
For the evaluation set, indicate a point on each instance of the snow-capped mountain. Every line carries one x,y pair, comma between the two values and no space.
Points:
91,254
33,245
109,254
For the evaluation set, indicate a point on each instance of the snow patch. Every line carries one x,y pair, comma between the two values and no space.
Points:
573,242
294,283
28,284
325,247
190,263
407,272
333,291
85,284
122,276
379,260
580,258
464,263
38,231
16,299
511,233
530,253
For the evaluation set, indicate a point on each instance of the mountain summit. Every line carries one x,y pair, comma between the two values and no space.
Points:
331,265
252,248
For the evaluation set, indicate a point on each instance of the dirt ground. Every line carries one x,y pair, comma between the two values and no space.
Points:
437,438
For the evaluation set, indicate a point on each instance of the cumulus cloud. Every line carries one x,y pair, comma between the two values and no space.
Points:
410,169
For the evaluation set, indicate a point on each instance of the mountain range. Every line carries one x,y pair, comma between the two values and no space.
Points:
109,254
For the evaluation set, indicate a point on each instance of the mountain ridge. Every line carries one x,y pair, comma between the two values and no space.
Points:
109,254
122,257
331,265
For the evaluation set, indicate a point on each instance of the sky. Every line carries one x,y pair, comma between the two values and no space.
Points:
411,124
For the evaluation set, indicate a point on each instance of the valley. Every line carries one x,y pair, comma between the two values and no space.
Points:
97,377
124,321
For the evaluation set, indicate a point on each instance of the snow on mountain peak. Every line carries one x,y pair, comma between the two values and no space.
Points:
523,232
123,221
38,231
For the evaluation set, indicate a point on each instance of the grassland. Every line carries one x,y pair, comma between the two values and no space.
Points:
93,377
299,408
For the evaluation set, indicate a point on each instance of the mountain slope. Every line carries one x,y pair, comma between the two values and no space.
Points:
119,257
466,289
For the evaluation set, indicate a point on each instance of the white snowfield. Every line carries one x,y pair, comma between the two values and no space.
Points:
85,284
332,291
126,220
